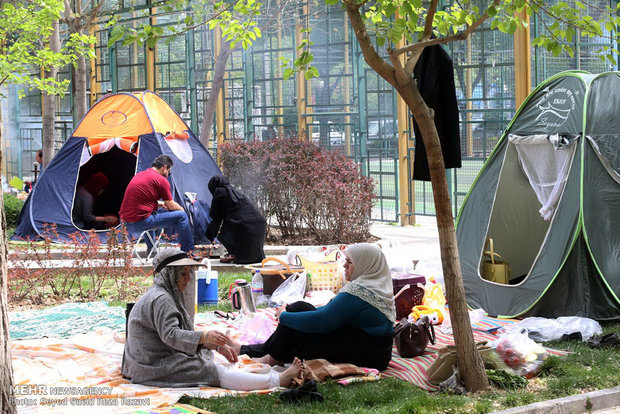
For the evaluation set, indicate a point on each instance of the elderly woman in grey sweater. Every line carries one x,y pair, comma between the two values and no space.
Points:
162,348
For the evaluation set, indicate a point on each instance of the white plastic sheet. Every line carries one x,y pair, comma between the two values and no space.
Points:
543,329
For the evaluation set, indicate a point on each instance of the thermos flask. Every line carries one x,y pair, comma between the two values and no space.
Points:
242,297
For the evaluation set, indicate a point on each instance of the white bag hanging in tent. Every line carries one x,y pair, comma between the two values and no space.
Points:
545,160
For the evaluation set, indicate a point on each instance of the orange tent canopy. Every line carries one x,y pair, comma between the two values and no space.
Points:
128,115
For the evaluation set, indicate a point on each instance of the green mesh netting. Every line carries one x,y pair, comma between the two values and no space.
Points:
66,320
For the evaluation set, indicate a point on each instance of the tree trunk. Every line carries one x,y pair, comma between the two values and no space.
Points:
469,360
49,104
216,86
470,363
7,404
81,100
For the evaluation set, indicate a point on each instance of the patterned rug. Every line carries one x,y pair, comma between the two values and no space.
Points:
67,375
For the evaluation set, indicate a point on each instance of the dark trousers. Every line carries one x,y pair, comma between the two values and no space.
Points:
347,344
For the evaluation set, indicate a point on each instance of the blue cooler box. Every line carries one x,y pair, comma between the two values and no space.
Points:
206,280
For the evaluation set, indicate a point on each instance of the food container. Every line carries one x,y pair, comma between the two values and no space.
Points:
274,275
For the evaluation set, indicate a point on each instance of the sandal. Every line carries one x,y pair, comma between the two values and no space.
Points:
610,339
225,315
298,396
227,258
308,391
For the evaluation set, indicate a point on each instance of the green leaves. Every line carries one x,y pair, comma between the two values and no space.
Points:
236,19
311,72
304,60
25,26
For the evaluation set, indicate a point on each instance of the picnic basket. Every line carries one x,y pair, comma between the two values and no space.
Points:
323,275
274,275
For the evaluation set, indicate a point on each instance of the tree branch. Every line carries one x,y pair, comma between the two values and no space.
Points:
553,15
376,62
428,26
443,40
402,77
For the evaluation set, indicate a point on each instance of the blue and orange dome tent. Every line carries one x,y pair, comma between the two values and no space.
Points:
120,136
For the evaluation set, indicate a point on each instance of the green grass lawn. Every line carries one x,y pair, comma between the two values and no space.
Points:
582,371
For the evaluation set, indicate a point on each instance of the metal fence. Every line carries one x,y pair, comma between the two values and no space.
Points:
348,108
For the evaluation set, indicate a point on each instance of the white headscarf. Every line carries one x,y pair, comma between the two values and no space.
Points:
371,280
167,278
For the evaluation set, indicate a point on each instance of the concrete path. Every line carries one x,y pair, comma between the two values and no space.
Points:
401,244
600,402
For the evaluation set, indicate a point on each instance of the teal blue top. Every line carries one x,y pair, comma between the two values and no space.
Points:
344,309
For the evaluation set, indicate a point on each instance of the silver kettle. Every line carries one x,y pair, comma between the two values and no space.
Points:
242,297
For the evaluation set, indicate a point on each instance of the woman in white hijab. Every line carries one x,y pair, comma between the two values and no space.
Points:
163,349
355,327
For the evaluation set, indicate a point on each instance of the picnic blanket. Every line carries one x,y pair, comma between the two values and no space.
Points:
65,320
82,372
414,369
67,375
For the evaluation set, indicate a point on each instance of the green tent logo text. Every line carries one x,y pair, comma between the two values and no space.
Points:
555,107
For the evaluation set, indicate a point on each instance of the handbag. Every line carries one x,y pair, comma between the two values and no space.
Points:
495,270
411,339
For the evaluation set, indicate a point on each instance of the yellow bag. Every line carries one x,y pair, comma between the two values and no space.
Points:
497,271
433,295
322,275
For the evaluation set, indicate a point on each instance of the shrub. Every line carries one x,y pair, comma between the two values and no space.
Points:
88,269
12,207
308,191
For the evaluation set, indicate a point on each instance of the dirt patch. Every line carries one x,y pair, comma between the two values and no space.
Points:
275,237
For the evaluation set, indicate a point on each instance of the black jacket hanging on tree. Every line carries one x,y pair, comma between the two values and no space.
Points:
434,74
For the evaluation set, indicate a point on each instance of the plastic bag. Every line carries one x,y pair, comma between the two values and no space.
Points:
316,253
475,316
517,349
257,330
291,290
319,297
433,295
586,326
543,329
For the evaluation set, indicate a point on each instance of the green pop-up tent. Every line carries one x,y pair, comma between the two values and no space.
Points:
549,197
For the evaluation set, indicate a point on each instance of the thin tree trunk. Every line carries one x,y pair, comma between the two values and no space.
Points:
49,104
469,360
470,363
7,403
77,23
81,100
216,87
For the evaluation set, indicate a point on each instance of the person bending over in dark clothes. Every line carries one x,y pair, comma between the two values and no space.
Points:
84,204
355,327
236,223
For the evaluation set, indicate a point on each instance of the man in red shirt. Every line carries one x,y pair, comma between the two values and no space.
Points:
140,209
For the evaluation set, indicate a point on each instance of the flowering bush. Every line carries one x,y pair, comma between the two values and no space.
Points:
306,190
86,271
